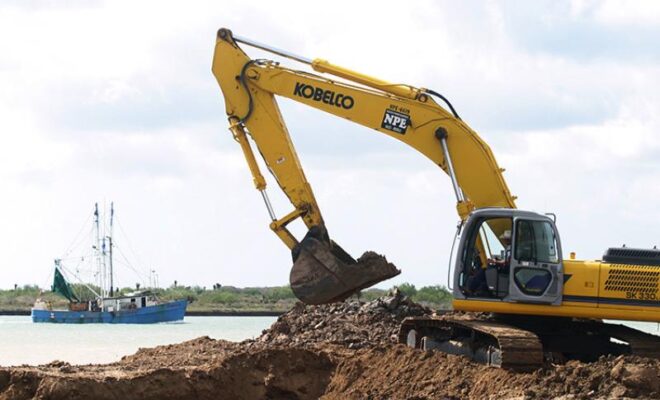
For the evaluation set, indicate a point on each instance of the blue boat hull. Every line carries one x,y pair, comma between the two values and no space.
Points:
166,312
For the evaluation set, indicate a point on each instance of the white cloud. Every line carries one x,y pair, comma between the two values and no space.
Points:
24,148
115,101
628,13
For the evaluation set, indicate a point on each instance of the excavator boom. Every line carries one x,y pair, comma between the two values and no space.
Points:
322,271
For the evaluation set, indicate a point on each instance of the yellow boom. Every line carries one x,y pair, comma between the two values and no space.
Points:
403,112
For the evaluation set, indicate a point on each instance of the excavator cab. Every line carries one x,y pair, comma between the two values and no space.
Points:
324,273
510,255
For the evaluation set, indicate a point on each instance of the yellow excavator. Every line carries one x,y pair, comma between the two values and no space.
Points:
508,264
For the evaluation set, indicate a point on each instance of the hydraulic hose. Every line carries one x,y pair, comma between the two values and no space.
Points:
443,98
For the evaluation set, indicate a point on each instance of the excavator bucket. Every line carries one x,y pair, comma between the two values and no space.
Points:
324,273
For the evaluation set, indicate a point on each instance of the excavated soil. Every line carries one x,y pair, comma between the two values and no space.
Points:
340,351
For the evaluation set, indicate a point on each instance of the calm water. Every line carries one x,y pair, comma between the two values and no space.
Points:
23,342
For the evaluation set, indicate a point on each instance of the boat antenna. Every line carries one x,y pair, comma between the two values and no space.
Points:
112,214
98,246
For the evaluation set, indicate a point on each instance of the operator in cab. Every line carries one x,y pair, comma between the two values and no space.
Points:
477,283
503,262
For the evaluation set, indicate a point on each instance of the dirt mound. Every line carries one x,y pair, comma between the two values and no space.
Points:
609,377
350,324
193,353
398,372
391,372
273,374
335,351
267,374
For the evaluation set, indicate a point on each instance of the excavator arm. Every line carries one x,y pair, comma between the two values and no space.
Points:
322,271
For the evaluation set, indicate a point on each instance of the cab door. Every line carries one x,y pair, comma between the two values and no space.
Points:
536,269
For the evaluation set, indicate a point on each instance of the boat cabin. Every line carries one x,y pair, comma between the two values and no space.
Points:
129,302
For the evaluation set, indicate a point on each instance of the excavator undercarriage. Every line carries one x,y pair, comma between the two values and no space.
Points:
524,343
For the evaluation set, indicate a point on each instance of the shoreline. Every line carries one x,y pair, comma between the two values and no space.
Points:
226,313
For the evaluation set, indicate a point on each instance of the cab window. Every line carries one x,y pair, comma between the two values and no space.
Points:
493,246
532,281
536,242
486,258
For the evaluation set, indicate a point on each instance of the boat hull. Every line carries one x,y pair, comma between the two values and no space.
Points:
166,312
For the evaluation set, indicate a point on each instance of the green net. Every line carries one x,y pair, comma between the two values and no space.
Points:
61,286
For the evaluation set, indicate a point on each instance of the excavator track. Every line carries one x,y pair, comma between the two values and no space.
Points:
525,343
638,343
489,342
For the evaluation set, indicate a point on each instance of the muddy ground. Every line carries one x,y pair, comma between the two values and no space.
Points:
340,351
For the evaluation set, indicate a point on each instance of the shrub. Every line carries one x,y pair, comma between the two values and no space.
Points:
252,292
372,294
222,297
408,289
433,294
278,293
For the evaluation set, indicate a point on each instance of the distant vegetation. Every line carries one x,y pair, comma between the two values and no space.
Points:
22,298
223,298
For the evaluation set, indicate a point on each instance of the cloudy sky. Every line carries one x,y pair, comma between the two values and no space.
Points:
115,101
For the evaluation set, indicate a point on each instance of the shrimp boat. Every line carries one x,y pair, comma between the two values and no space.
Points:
139,307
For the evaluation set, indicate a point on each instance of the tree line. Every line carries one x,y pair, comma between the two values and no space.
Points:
219,298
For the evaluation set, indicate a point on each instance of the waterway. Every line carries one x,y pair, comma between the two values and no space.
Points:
24,342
